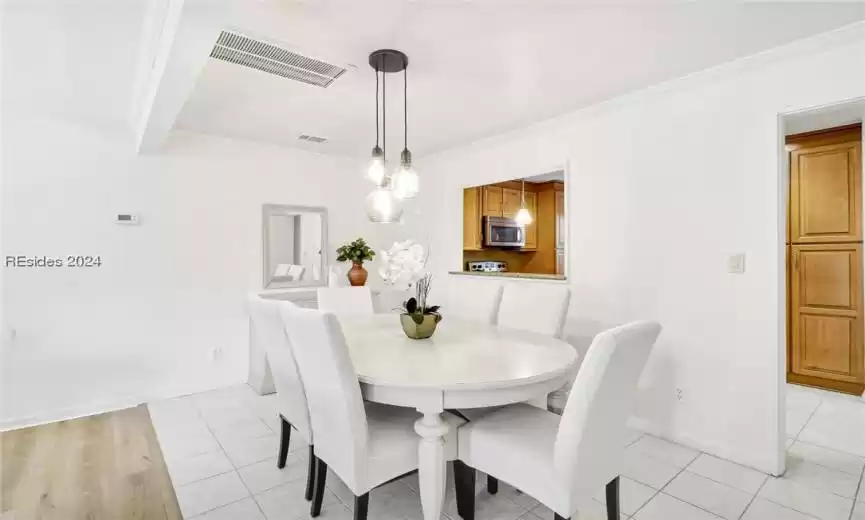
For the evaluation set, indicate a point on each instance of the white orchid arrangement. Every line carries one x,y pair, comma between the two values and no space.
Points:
405,264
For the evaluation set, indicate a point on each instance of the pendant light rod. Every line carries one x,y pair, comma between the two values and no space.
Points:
384,107
376,107
405,106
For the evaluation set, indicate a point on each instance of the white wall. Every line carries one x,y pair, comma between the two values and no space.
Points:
664,185
170,290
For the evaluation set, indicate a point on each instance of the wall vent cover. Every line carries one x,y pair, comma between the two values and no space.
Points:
241,50
312,138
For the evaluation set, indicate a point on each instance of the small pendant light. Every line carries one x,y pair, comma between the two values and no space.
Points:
523,218
406,180
375,168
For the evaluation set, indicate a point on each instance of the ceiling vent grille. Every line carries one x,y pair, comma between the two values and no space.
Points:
255,54
312,138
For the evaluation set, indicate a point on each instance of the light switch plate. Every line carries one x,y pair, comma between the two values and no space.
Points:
736,264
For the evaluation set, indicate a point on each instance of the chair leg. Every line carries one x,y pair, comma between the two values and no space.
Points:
318,494
310,473
464,482
283,442
361,506
613,499
492,485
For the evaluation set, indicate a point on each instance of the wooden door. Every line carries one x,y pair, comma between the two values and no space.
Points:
472,219
825,192
492,196
511,200
532,229
826,316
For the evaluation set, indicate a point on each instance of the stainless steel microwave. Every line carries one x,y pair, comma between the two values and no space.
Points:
503,232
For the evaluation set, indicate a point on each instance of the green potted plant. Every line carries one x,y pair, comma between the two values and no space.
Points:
356,252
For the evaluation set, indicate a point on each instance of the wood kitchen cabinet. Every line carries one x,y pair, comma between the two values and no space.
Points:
492,201
826,347
826,312
501,202
510,202
472,227
532,229
825,188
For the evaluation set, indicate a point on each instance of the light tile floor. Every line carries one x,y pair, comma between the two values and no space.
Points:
220,448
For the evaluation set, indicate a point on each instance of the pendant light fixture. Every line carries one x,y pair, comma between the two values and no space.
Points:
375,169
383,204
523,218
406,181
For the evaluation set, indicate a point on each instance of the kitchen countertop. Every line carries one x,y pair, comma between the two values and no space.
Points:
531,276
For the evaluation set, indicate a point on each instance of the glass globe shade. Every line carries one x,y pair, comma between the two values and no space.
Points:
406,182
375,169
523,218
383,205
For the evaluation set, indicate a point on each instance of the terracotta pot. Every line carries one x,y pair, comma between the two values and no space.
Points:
357,275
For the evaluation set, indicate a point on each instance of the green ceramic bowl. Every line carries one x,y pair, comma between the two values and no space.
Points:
421,330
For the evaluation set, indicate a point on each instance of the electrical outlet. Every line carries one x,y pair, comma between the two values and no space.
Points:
680,394
215,353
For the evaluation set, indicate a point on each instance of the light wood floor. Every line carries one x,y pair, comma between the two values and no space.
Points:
105,467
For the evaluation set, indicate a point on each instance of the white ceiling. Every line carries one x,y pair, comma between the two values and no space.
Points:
71,59
477,69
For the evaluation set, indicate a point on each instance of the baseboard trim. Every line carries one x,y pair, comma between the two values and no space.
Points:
767,466
86,410
73,412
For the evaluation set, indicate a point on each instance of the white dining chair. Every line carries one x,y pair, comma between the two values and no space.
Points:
473,300
534,307
365,444
266,319
564,460
345,302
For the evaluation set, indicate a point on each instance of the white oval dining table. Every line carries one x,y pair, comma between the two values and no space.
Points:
464,365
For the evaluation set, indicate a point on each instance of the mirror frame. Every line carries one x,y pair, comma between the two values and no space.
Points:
274,210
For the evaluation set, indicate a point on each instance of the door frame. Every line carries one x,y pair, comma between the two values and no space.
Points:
782,323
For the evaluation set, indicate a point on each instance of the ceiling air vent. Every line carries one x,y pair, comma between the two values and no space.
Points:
235,48
312,138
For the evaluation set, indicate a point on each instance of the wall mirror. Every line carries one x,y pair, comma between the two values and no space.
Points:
294,245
